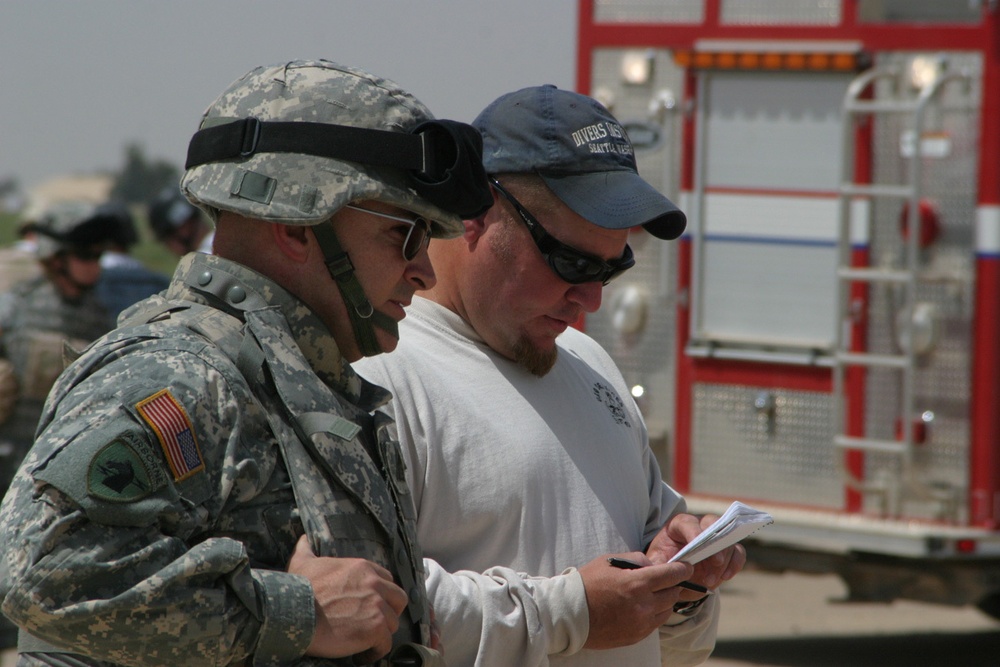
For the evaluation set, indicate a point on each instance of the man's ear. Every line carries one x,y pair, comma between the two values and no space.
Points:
293,241
475,228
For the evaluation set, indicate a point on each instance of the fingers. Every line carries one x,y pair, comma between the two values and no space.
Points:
627,604
662,576
357,604
736,563
720,567
682,582
679,530
303,552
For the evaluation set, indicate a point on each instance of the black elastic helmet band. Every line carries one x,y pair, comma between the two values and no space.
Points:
443,158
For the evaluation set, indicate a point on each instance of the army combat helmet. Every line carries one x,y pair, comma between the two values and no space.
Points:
65,228
294,143
70,225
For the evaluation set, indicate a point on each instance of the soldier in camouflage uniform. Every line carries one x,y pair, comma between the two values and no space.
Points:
209,485
42,314
38,317
18,261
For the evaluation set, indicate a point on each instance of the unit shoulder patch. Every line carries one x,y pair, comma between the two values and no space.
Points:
170,422
124,471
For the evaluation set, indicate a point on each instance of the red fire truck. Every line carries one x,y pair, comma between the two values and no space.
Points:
824,341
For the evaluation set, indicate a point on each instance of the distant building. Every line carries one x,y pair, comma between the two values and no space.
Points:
86,187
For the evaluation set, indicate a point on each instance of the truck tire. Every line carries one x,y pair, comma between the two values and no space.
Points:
990,605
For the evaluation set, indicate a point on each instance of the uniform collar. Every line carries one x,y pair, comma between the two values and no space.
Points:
239,288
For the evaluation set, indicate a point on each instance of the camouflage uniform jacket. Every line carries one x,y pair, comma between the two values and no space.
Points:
179,459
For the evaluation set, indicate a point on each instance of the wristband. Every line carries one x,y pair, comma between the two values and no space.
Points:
689,608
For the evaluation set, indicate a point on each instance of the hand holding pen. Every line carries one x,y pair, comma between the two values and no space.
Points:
626,606
626,564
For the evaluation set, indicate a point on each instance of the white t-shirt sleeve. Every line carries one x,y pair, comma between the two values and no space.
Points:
521,620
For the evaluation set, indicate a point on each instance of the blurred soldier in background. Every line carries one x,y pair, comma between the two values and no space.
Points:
124,279
39,317
179,225
18,261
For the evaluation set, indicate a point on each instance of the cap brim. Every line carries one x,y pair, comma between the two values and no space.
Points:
619,200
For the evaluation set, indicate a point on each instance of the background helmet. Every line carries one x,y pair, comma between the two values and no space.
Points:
169,211
70,224
121,224
297,189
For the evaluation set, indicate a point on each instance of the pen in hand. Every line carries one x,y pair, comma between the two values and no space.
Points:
625,564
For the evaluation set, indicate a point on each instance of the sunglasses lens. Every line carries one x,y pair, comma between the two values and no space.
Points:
416,238
614,273
575,267
626,262
567,262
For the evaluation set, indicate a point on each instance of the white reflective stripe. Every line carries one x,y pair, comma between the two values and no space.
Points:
686,202
988,229
772,217
860,218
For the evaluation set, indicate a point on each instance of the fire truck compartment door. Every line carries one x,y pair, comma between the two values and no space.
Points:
769,155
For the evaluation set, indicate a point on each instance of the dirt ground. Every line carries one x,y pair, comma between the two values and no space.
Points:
789,620
783,620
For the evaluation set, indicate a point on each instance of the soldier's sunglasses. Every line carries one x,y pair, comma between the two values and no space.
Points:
567,262
417,237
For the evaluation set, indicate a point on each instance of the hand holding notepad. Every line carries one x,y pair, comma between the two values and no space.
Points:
738,522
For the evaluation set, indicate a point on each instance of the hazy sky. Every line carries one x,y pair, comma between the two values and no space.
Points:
80,79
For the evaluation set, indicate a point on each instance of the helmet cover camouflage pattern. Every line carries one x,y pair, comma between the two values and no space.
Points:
305,189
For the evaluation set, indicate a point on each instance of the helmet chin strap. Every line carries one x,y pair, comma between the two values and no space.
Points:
363,317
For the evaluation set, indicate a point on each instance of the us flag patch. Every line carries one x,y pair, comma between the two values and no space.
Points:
166,416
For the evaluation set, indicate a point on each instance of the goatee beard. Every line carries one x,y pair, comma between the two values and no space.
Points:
534,360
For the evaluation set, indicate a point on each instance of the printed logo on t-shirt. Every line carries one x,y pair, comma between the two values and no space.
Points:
613,402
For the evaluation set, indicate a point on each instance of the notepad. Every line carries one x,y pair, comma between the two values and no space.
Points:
739,521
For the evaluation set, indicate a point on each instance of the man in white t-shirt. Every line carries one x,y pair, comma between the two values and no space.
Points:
527,458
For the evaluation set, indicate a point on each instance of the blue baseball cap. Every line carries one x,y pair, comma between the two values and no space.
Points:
581,152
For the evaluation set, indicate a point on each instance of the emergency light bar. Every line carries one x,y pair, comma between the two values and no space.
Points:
774,56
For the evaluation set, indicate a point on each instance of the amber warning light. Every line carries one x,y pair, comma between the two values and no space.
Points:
774,57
